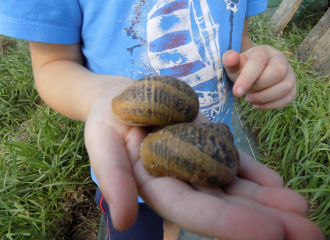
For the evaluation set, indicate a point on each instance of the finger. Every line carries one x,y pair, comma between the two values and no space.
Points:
275,92
248,167
296,227
201,118
180,203
111,165
133,141
233,63
256,61
275,197
277,69
279,103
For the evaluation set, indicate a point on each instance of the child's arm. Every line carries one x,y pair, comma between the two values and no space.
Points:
262,72
64,84
246,42
74,91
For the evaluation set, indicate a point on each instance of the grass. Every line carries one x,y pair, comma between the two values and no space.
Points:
47,192
309,13
295,139
17,92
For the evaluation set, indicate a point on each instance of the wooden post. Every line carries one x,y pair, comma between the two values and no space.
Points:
284,14
317,45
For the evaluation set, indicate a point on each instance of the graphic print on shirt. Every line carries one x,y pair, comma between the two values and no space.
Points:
183,42
233,6
130,31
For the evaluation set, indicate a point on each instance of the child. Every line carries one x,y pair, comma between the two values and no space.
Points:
84,53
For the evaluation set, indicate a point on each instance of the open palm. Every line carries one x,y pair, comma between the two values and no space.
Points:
254,206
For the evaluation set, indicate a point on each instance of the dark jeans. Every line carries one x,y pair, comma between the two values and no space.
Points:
148,225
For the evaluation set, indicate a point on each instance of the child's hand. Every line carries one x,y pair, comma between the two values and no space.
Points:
253,206
113,148
264,73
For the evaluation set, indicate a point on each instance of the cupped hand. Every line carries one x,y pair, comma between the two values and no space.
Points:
113,147
264,73
254,206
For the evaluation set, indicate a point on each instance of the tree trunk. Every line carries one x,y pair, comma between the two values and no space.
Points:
317,46
284,14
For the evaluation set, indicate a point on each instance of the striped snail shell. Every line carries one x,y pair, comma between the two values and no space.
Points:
156,101
204,154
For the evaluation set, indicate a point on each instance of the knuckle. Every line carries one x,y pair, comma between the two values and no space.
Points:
291,97
261,60
258,99
281,71
288,86
288,99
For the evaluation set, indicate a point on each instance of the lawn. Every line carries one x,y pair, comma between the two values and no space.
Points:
47,192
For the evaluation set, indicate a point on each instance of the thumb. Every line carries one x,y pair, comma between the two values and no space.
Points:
233,63
110,163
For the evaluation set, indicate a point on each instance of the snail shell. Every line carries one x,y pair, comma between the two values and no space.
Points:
221,128
158,101
201,154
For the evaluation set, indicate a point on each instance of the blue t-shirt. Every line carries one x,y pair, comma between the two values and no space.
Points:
137,38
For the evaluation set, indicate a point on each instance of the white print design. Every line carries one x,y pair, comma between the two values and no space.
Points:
232,5
183,42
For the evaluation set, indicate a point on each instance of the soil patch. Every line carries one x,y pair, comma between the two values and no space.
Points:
82,220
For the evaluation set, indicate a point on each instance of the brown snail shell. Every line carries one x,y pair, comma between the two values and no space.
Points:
158,101
201,154
221,128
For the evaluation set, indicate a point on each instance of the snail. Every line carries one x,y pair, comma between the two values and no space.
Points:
204,154
193,153
156,101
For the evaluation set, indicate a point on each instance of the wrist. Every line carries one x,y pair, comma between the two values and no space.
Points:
246,44
102,89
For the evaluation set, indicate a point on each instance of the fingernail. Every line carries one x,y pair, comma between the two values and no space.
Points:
256,106
227,55
240,91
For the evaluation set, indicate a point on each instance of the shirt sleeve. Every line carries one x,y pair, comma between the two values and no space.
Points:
255,7
50,21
